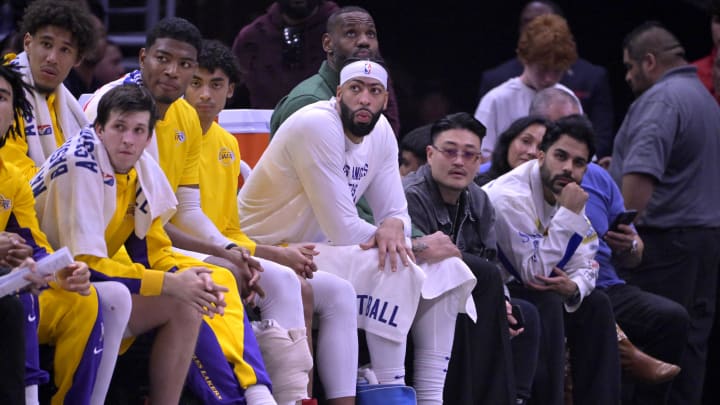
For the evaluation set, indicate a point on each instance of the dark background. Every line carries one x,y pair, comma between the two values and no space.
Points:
444,47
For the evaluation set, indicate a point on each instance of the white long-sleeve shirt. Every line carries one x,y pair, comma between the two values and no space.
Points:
306,184
534,237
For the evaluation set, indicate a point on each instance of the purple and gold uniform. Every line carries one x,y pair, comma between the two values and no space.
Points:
66,320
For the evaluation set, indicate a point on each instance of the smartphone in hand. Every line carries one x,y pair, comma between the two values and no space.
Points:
624,218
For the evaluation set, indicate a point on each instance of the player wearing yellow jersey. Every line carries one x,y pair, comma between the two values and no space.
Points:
166,67
59,316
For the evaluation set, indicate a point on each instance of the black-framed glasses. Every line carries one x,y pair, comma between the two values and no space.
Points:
452,154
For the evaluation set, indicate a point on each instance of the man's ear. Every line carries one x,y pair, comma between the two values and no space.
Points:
231,90
540,157
327,43
141,57
98,130
649,62
26,41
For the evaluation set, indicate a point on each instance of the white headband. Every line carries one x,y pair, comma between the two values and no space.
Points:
364,68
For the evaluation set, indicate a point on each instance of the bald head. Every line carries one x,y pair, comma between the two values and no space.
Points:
653,38
553,103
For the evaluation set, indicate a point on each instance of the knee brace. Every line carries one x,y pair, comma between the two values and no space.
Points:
287,359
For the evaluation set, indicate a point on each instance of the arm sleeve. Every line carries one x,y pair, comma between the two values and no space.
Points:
652,140
385,192
526,253
192,220
420,214
23,220
316,149
486,113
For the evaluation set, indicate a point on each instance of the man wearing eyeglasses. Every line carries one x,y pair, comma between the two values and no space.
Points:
443,197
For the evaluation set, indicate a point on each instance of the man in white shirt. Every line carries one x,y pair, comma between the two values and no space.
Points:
546,49
304,188
546,243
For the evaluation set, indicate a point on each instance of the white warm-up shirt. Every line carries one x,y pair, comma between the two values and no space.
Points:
306,184
534,237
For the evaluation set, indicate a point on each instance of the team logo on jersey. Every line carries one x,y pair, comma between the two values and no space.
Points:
179,136
108,179
44,130
5,203
225,156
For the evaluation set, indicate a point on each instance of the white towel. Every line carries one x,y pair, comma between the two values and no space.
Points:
75,195
387,301
39,131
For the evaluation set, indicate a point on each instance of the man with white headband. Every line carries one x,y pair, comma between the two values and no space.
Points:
304,188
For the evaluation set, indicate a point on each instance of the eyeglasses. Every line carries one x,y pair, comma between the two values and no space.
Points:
452,154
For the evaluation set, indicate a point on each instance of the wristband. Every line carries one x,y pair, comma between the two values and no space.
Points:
231,245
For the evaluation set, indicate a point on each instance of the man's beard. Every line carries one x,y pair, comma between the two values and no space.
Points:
549,182
357,129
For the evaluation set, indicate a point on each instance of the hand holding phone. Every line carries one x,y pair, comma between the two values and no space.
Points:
624,218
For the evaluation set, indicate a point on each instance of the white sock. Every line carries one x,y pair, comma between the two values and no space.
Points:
387,359
335,304
31,395
259,395
433,333
115,304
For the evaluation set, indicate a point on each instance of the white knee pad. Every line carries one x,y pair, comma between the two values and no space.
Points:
287,359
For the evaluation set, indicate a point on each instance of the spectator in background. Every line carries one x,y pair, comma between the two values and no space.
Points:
546,49
350,33
587,81
110,66
81,79
281,48
665,161
706,65
412,149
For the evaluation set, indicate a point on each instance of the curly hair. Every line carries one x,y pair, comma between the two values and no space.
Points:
68,15
21,106
216,55
547,41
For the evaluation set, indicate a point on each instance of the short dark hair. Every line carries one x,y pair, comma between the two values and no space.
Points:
175,28
500,164
652,37
334,20
216,55
461,120
126,98
21,106
575,126
68,15
416,141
